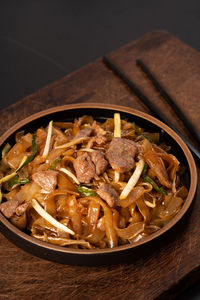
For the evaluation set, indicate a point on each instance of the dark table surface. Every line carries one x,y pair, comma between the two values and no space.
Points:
41,41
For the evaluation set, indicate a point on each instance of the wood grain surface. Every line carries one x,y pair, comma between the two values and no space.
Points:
162,272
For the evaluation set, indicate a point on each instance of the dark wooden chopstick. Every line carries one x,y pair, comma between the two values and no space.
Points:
169,100
148,103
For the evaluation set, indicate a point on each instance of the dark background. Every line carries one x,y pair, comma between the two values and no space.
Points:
41,41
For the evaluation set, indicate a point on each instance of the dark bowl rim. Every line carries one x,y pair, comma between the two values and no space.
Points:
131,111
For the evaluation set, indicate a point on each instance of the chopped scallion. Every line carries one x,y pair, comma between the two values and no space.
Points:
31,157
17,180
148,179
148,138
86,191
54,163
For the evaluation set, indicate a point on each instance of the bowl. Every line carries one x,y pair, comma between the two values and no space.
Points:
100,112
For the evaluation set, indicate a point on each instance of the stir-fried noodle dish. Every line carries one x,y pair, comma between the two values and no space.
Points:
88,185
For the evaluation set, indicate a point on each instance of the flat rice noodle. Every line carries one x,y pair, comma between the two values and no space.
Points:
95,237
38,160
66,160
82,208
54,154
63,125
59,192
19,135
83,200
108,222
40,198
74,214
118,186
154,136
160,149
57,201
146,145
32,167
124,211
69,152
166,199
26,141
12,194
182,192
61,139
135,194
144,210
59,133
132,208
76,128
15,155
32,216
156,211
128,133
136,217
50,206
126,125
111,174
62,206
108,125
93,213
156,163
100,224
122,222
139,237
149,229
151,174
173,207
40,225
64,182
131,231
19,221
173,164
3,166
160,222
62,241
28,192
40,140
85,120
62,233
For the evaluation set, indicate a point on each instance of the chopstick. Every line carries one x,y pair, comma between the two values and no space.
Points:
169,100
157,113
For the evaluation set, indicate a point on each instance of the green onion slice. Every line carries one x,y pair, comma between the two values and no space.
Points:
148,179
86,191
54,163
31,157
17,180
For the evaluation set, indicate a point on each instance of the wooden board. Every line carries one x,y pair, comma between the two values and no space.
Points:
163,271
